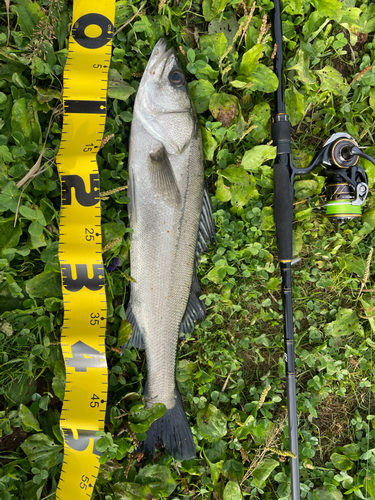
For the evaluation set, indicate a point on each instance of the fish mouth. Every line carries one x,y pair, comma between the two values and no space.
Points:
158,59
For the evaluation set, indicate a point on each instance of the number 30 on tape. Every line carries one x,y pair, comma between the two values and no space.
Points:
85,308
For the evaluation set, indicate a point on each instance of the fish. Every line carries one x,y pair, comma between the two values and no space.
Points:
171,216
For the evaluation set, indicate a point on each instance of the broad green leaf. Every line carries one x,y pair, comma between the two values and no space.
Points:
9,235
215,457
58,382
212,423
369,483
31,214
346,323
262,118
35,229
369,217
29,15
202,70
213,8
209,144
367,165
250,60
131,491
294,104
324,494
305,188
263,79
45,284
328,8
111,231
117,88
217,274
25,120
232,469
41,451
224,108
124,333
332,80
293,7
201,91
141,418
29,422
223,192
217,42
47,95
232,491
185,370
262,472
267,219
352,451
241,194
355,264
252,159
236,175
20,391
301,66
228,27
341,462
303,212
244,430
297,243
158,478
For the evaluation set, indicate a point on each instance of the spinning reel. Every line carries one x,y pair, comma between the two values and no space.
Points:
347,182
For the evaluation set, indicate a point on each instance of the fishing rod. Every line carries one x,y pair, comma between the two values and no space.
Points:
345,191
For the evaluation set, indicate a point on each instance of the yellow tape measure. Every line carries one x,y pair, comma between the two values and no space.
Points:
85,307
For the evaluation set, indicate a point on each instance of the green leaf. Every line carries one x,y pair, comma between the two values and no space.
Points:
228,27
45,284
25,120
241,194
124,333
244,430
58,382
352,451
332,80
262,472
305,188
212,423
368,217
367,165
213,8
252,159
294,105
223,192
29,15
355,264
346,323
41,451
217,42
267,219
224,108
141,418
112,231
323,494
215,457
35,229
236,175
233,469
29,422
131,491
232,491
209,144
9,235
117,88
301,66
202,70
201,91
250,60
369,483
328,8
185,370
158,478
263,79
262,118
341,462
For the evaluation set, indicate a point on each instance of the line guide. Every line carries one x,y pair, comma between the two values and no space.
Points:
80,237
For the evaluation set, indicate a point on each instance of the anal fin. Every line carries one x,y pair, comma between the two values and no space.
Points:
136,340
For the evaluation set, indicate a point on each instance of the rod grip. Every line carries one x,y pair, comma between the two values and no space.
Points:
283,210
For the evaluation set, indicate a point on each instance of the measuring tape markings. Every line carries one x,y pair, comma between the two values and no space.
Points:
82,339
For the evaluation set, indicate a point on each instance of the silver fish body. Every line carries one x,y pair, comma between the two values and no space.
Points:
172,224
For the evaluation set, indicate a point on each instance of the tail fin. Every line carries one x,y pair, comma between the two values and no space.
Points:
171,431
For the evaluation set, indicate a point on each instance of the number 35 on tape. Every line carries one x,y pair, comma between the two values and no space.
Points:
85,308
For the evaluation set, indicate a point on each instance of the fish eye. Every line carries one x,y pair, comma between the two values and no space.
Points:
176,77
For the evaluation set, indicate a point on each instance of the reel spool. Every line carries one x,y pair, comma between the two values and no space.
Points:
347,182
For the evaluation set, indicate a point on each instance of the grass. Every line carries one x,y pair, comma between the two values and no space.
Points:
236,355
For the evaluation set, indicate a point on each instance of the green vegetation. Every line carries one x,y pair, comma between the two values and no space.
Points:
230,370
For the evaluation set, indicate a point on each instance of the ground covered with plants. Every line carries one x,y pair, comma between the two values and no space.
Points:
230,370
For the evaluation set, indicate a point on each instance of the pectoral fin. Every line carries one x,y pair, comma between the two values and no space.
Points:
163,177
